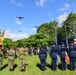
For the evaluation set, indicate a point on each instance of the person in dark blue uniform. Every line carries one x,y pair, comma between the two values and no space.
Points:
72,55
42,57
53,55
63,49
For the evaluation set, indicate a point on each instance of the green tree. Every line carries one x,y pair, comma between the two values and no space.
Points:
7,42
60,34
69,25
48,30
31,41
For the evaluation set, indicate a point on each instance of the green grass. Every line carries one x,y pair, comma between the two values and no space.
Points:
33,69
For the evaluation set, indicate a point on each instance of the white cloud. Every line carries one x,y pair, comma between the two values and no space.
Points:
17,3
62,17
15,36
18,22
20,4
23,28
66,6
42,3
13,1
32,29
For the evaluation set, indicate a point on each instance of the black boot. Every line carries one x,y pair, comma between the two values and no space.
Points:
11,70
22,70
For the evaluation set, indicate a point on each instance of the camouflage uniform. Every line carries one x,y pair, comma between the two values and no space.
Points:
21,55
11,58
1,58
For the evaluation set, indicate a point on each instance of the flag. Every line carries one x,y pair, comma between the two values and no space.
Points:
57,47
2,38
66,58
75,39
1,42
66,40
66,55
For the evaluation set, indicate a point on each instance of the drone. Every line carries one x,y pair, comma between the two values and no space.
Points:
20,17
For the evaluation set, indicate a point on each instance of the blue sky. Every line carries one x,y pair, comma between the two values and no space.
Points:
36,12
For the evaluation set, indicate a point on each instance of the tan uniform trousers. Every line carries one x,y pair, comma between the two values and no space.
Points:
1,60
22,62
11,62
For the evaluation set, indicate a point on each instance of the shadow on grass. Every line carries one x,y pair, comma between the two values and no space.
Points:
68,66
59,66
38,65
15,65
26,65
49,66
4,66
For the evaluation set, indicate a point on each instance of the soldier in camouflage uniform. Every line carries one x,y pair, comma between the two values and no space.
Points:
11,58
21,55
1,57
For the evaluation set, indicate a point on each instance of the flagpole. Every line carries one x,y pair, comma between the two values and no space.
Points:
56,36
66,37
56,45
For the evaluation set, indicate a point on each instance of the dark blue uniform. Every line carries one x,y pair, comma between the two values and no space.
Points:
62,56
53,55
72,56
42,57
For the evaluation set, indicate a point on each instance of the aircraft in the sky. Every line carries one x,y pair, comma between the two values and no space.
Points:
20,17
36,26
19,30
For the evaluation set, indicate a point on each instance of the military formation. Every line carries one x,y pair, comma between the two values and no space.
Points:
53,51
62,51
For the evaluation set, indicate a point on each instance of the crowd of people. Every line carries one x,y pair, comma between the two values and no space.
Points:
42,52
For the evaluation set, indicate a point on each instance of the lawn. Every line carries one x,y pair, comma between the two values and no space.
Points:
33,68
